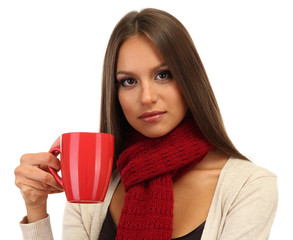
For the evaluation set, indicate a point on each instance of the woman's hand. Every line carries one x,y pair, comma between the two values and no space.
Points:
35,182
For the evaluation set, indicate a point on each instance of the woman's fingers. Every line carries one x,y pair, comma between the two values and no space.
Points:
43,188
38,159
36,182
35,177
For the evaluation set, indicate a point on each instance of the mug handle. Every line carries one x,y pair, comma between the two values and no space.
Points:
52,170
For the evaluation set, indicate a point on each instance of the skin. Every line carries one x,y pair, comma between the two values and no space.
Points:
143,88
149,96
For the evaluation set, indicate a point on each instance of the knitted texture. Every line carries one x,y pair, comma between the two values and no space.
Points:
148,167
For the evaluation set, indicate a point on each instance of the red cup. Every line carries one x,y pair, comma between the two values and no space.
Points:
86,165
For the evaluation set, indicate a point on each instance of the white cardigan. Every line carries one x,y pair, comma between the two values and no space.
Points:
243,207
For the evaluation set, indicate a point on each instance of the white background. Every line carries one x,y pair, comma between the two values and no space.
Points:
51,55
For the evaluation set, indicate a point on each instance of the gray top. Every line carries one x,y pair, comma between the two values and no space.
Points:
243,207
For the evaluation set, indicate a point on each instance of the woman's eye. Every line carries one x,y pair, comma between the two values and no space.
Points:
127,82
164,75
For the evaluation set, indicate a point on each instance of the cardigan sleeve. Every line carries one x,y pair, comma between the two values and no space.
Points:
252,213
40,230
73,226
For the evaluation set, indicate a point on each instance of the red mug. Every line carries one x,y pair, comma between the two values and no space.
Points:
86,165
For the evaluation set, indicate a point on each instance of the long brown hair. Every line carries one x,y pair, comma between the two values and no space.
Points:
178,50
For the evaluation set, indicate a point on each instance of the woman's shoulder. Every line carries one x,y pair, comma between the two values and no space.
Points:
239,168
238,175
244,191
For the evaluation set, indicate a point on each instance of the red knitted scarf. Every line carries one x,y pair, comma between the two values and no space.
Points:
148,168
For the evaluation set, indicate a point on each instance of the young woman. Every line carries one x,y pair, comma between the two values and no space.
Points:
176,175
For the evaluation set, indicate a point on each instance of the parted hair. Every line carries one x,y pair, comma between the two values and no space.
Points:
180,55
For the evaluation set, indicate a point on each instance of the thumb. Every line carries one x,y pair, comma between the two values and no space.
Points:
56,143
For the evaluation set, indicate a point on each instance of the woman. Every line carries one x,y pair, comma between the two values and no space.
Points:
176,172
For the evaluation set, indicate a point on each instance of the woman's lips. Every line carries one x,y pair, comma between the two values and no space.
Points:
150,117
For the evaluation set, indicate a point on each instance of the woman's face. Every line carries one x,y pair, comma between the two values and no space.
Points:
149,96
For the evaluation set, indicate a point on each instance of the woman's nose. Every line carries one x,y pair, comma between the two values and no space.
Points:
148,93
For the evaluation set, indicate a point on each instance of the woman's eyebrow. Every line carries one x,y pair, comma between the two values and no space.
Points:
153,69
124,72
159,66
